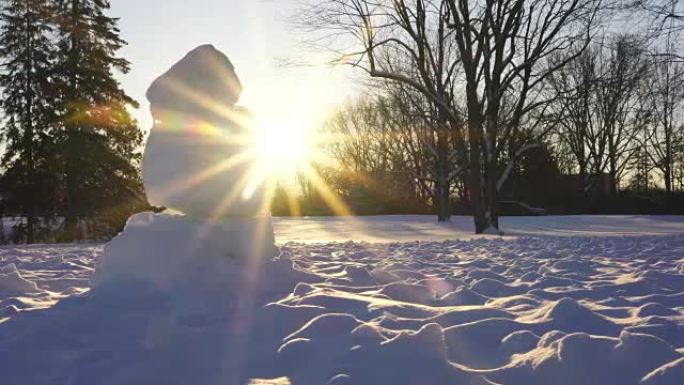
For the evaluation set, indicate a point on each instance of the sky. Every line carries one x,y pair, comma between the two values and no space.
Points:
255,34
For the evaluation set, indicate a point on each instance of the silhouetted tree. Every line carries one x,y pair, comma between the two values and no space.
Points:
504,47
664,102
597,108
536,179
98,139
27,104
383,155
408,44
493,51
641,167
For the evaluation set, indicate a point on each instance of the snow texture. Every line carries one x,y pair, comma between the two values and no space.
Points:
168,251
487,310
197,156
408,228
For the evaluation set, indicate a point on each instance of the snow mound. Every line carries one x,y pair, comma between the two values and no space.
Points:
173,252
466,315
669,374
580,358
568,315
519,342
463,296
326,326
654,309
493,288
412,357
407,292
12,284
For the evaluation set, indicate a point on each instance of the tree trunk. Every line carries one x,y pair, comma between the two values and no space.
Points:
612,179
29,201
668,164
612,172
492,195
70,215
475,181
491,174
71,147
70,228
475,156
442,184
71,209
667,174
443,206
583,180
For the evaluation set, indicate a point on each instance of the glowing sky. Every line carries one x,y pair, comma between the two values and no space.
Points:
256,36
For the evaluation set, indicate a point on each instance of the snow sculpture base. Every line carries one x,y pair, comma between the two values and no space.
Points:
173,252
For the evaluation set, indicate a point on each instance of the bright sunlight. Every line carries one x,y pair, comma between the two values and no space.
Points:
284,147
288,148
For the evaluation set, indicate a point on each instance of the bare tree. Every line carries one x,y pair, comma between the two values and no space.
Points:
598,110
622,73
365,150
641,166
408,43
664,100
665,14
504,48
574,112
494,52
678,175
436,153
389,143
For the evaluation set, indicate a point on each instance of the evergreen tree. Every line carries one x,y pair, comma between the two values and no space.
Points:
27,103
99,140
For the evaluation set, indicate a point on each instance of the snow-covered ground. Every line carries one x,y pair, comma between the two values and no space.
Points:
407,228
593,300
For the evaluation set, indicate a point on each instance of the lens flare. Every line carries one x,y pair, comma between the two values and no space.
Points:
284,147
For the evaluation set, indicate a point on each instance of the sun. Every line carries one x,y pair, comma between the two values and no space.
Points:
289,150
284,147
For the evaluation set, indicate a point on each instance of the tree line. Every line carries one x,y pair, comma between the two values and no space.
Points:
470,96
71,149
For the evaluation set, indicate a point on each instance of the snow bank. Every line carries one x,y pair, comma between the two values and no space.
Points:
174,252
